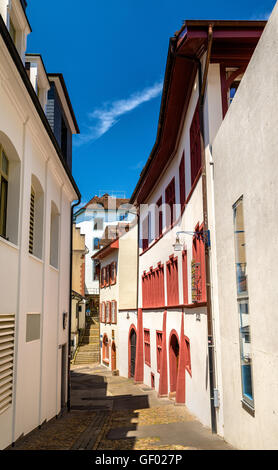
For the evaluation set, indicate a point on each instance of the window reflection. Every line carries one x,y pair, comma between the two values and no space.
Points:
243,304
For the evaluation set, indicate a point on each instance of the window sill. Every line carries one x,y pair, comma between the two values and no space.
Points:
8,243
247,407
53,268
35,258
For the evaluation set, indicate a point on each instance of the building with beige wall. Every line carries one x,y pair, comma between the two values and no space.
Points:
79,251
245,170
118,295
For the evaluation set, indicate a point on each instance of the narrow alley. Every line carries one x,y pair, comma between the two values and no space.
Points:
111,413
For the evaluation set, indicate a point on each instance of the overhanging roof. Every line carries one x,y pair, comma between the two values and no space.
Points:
233,43
107,250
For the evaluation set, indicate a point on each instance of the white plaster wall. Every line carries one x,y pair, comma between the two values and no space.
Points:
244,153
124,325
30,285
86,223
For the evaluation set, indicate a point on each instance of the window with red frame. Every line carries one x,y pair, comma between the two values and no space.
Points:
188,356
108,275
198,268
105,349
195,145
114,312
108,312
145,233
172,282
153,294
159,218
159,335
147,346
103,312
185,277
170,200
182,182
113,273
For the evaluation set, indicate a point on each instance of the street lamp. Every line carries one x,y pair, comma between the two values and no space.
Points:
204,236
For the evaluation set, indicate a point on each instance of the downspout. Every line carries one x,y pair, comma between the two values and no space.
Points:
70,302
211,359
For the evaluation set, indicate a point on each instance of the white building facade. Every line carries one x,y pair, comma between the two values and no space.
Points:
118,299
92,220
178,347
37,191
245,186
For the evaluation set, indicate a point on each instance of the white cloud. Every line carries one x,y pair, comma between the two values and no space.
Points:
264,16
108,115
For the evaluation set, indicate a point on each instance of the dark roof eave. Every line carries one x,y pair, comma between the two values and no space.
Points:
22,72
61,78
178,39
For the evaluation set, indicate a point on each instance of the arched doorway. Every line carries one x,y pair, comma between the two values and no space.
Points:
174,351
113,357
132,351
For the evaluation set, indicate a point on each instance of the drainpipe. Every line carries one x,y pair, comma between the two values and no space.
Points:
70,302
211,359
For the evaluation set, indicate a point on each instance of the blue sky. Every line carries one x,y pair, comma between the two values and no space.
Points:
113,56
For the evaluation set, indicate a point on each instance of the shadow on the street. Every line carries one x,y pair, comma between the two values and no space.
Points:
89,393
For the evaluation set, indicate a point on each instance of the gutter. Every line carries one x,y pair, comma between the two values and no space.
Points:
211,358
70,302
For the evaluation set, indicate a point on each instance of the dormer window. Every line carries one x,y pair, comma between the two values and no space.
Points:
36,71
18,25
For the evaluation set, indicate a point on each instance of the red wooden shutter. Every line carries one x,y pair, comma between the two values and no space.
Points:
170,199
195,145
182,182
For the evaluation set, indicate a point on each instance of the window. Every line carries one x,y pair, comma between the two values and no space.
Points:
243,304
54,236
96,270
105,349
108,312
7,327
96,244
185,277
145,233
153,294
98,224
36,221
113,273
172,282
12,31
159,219
114,312
9,190
182,182
159,336
147,347
195,146
102,312
170,199
198,269
4,177
123,216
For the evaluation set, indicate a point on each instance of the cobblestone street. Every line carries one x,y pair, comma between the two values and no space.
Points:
111,413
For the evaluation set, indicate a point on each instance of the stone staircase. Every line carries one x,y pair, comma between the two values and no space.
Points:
88,350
